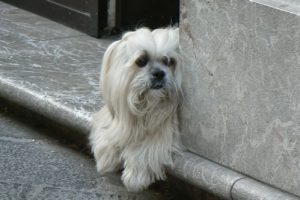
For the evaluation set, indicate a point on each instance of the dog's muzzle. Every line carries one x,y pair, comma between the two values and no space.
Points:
158,79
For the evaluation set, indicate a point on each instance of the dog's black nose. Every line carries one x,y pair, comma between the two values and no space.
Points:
158,74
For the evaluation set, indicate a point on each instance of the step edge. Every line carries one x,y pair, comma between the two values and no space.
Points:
281,5
44,105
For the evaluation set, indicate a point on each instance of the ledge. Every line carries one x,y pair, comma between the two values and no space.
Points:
223,182
205,174
247,188
44,105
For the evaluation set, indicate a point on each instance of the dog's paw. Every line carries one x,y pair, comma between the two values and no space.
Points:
136,181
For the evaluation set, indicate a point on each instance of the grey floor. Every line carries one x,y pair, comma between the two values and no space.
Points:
36,166
53,70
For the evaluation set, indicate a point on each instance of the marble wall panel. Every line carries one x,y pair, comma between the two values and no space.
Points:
242,88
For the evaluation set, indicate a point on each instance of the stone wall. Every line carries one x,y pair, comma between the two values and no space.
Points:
242,88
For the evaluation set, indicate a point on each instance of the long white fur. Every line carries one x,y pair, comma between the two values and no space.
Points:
137,129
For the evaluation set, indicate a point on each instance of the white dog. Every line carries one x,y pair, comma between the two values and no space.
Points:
137,129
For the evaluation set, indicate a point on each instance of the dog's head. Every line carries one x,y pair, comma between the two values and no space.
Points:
142,69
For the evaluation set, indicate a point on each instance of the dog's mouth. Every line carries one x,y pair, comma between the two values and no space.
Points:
156,85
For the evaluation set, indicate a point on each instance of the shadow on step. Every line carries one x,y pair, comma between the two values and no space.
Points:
51,129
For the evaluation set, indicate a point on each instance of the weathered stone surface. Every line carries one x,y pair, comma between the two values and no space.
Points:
242,89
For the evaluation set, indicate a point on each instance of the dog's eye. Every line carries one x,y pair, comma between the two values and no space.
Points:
168,61
172,62
142,61
165,60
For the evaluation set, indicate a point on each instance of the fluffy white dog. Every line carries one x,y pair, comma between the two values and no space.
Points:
137,129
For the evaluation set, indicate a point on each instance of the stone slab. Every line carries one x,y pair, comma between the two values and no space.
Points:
242,93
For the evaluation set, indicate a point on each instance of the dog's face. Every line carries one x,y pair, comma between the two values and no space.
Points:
141,68
154,71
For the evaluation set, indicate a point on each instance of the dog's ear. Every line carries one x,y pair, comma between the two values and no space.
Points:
106,64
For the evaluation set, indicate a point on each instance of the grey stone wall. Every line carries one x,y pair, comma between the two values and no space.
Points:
242,88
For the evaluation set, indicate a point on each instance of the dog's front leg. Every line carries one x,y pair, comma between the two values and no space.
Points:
143,164
107,158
